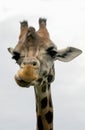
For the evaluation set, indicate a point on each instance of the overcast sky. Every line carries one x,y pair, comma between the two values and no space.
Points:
66,24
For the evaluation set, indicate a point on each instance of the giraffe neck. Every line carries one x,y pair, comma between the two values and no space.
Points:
44,107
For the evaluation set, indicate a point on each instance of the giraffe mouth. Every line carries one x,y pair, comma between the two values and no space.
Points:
21,82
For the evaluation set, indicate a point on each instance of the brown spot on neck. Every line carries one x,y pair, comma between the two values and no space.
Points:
44,108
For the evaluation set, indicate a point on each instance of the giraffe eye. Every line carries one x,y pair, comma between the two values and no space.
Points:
51,51
16,56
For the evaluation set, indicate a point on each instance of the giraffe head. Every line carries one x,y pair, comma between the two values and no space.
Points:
35,53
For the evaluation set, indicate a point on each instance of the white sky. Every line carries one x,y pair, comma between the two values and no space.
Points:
43,7
71,12
66,24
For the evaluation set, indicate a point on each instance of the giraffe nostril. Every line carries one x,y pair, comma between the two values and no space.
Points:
24,63
33,63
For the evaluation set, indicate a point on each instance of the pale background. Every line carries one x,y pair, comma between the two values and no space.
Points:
66,24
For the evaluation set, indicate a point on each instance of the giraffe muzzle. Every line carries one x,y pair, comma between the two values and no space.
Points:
26,75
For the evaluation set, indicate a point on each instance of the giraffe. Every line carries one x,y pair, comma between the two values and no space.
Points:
35,53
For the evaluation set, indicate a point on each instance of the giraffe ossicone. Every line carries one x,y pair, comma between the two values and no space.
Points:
35,53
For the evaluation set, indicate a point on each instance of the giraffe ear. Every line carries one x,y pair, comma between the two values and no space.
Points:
67,54
10,49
